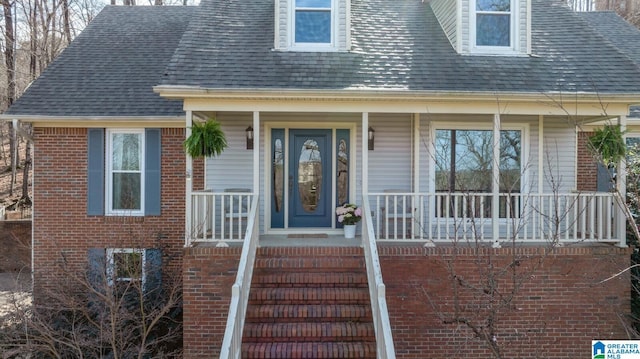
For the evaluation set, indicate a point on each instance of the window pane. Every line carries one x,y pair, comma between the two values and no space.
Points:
278,175
493,30
313,26
343,172
464,160
314,3
493,5
510,158
126,151
128,265
310,175
126,191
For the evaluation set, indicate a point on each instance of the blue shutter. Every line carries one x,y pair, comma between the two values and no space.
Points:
95,172
97,276
152,193
153,271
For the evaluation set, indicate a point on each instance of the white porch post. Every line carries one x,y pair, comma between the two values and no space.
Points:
256,153
621,186
540,154
188,182
495,207
365,153
416,153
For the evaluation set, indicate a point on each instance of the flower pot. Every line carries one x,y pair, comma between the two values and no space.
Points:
349,231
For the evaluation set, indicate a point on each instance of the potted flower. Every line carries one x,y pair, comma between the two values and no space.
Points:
349,214
206,139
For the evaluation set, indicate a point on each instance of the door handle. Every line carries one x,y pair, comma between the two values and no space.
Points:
290,185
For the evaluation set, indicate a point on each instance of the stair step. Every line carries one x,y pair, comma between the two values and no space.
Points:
338,264
308,295
309,350
322,312
309,279
307,332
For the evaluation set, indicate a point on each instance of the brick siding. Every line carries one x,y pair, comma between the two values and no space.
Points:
63,232
587,167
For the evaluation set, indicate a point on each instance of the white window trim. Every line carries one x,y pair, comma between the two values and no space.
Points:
111,265
307,46
512,49
109,211
524,154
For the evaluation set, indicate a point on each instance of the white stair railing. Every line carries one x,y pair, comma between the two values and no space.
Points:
232,342
384,339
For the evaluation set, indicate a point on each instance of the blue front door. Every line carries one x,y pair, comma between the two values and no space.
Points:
310,164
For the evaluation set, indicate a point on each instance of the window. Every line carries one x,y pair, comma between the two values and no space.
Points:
125,177
313,22
464,167
123,172
125,265
464,160
493,23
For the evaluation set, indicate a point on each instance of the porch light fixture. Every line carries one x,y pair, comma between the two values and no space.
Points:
372,137
249,132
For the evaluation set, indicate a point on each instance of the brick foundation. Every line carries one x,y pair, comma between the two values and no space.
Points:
208,274
558,310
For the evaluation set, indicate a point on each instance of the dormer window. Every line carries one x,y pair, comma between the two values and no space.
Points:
493,26
313,21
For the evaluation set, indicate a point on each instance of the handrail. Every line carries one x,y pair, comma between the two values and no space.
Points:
232,342
384,339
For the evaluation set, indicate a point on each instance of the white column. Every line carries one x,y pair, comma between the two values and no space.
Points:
256,153
495,207
416,152
540,153
188,182
365,153
621,186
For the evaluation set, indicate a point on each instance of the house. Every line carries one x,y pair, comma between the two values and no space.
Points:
457,126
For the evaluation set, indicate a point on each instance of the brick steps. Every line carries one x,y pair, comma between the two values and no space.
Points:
309,303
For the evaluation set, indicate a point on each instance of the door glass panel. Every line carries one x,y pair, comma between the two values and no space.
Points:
278,174
310,175
343,172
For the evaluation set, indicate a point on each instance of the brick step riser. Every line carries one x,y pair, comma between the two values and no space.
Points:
308,350
339,265
310,332
274,313
306,279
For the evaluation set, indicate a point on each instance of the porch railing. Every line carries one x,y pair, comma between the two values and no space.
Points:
232,341
219,216
531,217
384,339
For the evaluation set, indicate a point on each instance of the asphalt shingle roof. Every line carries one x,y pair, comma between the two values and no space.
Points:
396,44
111,67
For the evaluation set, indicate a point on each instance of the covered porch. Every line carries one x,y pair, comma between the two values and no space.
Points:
452,174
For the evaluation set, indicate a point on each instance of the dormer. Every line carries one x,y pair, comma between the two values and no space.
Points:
486,27
312,25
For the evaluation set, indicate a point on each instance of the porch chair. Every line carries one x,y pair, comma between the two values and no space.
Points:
397,218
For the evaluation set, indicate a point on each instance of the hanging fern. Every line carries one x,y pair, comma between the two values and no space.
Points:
207,139
608,143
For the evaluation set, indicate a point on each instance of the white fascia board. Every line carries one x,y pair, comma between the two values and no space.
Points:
98,121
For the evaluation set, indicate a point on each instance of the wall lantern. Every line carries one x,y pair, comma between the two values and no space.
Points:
249,132
372,137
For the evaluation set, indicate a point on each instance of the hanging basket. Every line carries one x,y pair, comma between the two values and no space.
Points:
206,140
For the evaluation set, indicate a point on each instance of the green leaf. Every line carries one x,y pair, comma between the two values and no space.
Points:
206,140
